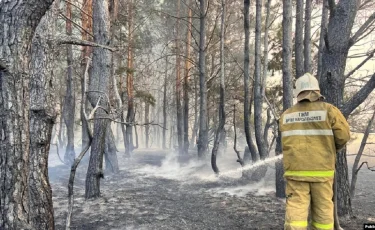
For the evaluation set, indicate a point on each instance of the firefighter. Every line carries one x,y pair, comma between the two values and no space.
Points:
312,132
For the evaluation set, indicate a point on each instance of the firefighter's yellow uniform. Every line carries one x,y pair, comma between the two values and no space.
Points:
312,131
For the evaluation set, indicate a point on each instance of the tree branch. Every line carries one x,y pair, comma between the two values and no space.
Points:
359,97
366,155
79,158
58,154
364,4
368,167
79,8
75,24
76,41
370,55
362,29
129,123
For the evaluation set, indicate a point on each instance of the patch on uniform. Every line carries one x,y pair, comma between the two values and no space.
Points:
305,116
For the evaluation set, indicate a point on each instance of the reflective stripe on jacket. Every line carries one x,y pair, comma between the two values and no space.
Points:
312,132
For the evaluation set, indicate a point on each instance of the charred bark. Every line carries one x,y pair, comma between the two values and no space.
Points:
287,87
178,92
111,162
69,108
42,118
85,54
195,126
129,146
280,183
220,129
258,96
165,104
307,38
147,120
99,82
259,172
323,32
332,81
247,106
19,21
186,79
203,126
298,47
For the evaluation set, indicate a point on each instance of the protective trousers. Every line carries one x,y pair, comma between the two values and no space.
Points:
304,195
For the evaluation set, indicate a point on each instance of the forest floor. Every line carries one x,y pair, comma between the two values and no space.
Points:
155,190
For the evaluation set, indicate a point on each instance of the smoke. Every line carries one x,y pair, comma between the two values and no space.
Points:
198,172
171,168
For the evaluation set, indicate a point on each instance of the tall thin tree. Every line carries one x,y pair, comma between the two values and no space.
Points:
258,95
287,86
265,71
69,107
323,30
307,38
165,103
247,106
179,108
98,92
186,77
220,129
86,21
129,146
203,126
298,46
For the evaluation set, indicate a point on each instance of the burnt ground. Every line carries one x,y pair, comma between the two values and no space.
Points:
153,191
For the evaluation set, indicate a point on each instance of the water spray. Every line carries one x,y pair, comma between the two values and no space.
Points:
247,167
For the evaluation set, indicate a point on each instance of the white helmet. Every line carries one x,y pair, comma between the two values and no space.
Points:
306,82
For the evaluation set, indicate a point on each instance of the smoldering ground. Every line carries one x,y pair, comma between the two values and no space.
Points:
156,189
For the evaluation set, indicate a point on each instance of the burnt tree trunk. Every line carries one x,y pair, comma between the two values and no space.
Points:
165,104
258,96
279,182
99,82
203,126
220,129
260,172
323,31
332,81
85,54
298,46
147,120
186,78
110,156
195,126
287,87
178,92
247,102
18,22
307,38
129,146
42,118
69,108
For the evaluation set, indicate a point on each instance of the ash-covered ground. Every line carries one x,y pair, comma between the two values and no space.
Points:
157,190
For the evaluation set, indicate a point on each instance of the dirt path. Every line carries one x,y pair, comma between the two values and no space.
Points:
152,193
